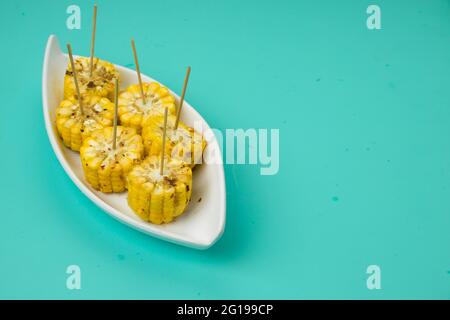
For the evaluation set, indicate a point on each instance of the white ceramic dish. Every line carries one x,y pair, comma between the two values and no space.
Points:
203,222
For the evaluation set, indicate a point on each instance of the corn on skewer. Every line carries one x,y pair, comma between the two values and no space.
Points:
74,127
133,112
144,100
105,169
140,102
160,194
77,118
159,198
95,76
109,154
183,143
101,83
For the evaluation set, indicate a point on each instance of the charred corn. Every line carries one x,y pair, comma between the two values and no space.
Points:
73,127
159,198
133,112
105,169
184,143
101,83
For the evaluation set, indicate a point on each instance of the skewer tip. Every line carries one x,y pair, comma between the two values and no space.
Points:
186,79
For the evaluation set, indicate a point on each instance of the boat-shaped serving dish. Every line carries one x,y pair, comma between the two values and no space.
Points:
204,220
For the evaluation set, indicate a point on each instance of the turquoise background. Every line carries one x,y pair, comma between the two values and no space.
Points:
364,119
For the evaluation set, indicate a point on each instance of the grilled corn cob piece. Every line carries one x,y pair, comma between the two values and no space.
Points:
159,198
73,127
101,83
105,169
133,112
184,143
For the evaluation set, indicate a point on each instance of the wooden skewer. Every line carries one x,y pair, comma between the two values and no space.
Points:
116,102
186,78
94,28
138,71
75,79
163,149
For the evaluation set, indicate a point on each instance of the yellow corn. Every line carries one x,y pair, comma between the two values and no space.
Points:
159,198
133,112
101,83
184,143
73,127
105,169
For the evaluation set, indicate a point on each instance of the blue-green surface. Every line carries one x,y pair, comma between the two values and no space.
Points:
364,119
